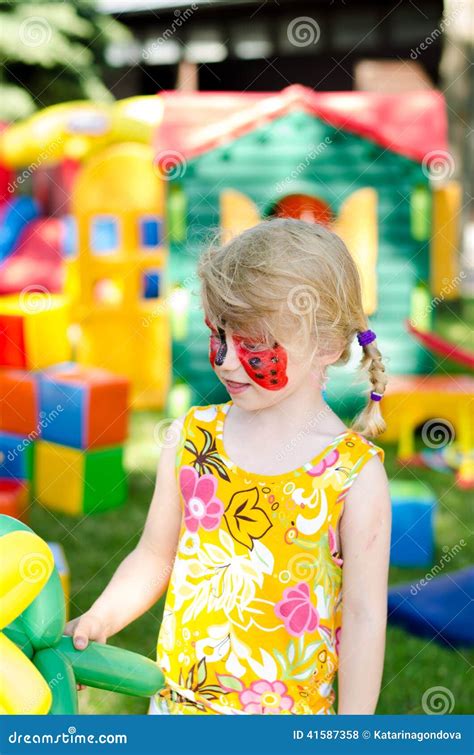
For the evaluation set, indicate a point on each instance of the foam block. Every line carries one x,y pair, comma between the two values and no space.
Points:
93,406
16,457
33,330
413,506
441,608
18,402
14,499
79,482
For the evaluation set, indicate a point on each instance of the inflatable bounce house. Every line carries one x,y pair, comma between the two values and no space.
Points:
83,326
81,215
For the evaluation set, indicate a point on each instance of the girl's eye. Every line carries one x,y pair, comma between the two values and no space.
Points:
254,346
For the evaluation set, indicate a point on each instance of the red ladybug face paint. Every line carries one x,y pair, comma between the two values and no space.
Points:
265,366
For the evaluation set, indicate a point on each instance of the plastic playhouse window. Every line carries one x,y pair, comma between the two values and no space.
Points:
176,212
303,207
108,292
151,284
150,232
69,236
420,213
104,235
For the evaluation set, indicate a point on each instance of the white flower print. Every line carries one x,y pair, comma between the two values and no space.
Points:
227,580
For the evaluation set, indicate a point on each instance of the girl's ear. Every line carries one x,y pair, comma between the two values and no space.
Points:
330,358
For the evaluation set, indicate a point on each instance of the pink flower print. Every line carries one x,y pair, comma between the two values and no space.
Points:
202,508
266,697
338,639
327,461
333,546
298,613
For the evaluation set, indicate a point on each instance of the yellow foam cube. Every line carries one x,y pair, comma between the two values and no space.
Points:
59,477
35,325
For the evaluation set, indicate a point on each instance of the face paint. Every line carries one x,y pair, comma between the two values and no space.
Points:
217,346
267,367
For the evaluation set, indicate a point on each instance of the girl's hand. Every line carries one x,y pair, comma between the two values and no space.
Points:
87,627
84,628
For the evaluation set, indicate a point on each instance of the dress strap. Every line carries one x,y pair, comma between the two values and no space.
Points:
361,451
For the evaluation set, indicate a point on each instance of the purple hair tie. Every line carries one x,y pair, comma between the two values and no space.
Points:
375,396
365,337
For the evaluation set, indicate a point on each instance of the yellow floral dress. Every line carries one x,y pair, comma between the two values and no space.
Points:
252,618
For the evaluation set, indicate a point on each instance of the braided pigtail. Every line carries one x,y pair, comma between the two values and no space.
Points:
370,421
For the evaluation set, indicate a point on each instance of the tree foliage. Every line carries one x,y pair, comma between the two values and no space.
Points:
53,52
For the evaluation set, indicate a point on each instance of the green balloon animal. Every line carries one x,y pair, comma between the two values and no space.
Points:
39,666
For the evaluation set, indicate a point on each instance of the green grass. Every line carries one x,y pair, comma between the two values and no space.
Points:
95,546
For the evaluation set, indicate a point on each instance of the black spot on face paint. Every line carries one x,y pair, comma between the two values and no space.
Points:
259,375
221,354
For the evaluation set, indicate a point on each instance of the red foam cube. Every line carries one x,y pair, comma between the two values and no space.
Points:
14,499
12,341
18,402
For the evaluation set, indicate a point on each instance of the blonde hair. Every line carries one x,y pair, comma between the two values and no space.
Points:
296,283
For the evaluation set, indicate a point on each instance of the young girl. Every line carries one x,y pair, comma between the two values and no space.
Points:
270,515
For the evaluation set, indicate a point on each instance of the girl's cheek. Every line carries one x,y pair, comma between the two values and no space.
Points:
267,368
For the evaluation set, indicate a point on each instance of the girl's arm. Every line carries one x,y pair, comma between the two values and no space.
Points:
143,576
365,528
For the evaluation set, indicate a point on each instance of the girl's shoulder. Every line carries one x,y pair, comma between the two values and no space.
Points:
205,416
206,413
364,449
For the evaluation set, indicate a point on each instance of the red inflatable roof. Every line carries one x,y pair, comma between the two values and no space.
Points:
412,124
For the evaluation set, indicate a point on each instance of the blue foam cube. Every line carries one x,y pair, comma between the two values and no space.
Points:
413,507
16,456
66,404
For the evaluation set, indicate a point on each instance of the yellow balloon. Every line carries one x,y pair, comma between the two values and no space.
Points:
27,564
23,691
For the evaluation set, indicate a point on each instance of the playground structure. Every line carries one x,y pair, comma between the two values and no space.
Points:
444,406
107,208
121,263
81,215
358,161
